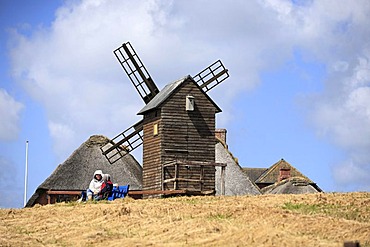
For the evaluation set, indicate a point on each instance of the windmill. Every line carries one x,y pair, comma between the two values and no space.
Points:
170,135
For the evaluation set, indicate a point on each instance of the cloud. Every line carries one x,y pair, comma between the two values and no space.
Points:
342,115
337,35
69,67
10,110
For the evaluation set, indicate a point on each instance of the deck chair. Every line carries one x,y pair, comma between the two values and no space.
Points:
119,192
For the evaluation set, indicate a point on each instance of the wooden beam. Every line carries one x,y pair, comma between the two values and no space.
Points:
170,192
126,138
194,163
223,180
63,192
156,192
176,176
181,179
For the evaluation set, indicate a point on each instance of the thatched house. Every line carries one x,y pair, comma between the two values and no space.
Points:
279,177
293,185
236,181
75,174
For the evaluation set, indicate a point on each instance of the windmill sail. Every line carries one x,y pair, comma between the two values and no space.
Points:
123,143
136,71
211,76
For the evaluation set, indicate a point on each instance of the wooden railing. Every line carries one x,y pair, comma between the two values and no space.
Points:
51,193
202,165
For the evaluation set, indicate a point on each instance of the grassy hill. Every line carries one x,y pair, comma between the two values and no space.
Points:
266,220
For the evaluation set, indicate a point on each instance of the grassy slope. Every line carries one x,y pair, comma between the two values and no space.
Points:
267,220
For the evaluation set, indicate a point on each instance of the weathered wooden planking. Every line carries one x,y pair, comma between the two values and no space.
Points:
184,135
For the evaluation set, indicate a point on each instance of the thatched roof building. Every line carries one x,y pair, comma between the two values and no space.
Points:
281,178
236,181
76,172
254,173
294,185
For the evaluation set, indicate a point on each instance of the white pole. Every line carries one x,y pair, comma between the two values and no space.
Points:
25,177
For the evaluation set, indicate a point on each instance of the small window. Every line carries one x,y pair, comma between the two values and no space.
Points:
155,129
189,103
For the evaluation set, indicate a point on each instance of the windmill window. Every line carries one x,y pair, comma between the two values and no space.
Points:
155,129
190,103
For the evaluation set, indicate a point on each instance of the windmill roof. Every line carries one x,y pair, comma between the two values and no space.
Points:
167,91
76,172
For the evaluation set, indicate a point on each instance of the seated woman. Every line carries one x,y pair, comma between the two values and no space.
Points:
106,188
95,185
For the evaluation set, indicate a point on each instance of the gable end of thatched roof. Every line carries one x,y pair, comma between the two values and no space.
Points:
270,176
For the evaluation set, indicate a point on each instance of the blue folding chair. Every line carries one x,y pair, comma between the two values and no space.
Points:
119,192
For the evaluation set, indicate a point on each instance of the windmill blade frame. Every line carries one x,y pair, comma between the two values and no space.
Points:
123,143
211,76
136,71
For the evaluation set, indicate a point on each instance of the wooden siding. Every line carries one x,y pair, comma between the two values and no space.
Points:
182,135
151,154
189,135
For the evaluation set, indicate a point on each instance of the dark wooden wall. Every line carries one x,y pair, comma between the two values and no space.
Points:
183,135
151,152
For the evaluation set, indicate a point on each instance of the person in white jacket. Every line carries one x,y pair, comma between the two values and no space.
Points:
95,185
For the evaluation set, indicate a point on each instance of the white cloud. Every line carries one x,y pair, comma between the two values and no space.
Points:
336,34
349,171
10,110
69,67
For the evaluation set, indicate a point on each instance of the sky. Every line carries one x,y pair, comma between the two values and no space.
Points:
299,85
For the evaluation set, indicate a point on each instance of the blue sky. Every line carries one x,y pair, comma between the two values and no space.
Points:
299,85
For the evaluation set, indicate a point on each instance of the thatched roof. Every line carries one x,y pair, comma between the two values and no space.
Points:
77,171
236,181
254,173
271,175
293,185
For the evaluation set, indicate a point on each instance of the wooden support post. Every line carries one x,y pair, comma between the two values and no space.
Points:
223,180
162,177
176,176
201,177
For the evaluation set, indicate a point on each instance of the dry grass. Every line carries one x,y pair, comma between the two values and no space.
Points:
267,220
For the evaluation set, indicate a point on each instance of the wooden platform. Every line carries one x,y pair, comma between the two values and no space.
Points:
136,194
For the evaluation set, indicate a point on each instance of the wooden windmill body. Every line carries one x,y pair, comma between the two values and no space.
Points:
177,130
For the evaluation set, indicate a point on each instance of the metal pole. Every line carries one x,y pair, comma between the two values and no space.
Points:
25,177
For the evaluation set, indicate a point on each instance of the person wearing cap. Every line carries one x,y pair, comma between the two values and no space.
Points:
95,185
